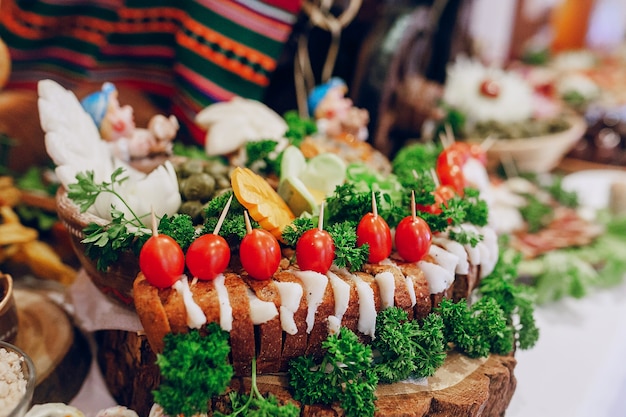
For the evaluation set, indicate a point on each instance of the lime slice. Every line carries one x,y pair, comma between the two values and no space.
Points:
297,196
292,164
324,172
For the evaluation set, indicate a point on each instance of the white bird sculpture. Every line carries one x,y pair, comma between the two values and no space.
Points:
74,144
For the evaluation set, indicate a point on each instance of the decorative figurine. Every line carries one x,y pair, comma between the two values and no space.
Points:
117,126
335,114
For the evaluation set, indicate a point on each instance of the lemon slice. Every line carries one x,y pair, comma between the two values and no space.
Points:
292,164
297,196
324,172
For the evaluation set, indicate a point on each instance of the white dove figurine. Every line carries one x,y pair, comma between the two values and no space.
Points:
74,144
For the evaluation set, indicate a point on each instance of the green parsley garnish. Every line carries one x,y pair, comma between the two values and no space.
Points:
406,349
476,330
194,368
345,375
256,405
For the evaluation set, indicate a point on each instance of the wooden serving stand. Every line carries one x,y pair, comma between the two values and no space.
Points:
462,387
61,354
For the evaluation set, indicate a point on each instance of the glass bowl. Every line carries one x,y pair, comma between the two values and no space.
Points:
19,405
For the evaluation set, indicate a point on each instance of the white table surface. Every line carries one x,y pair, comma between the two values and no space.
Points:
578,366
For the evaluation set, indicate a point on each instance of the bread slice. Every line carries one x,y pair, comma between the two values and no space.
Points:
269,334
294,344
242,340
151,312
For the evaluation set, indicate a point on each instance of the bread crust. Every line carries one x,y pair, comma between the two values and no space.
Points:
162,310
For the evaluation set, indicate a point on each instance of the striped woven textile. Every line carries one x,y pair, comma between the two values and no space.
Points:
191,53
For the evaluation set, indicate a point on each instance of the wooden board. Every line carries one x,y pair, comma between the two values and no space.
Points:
462,387
61,354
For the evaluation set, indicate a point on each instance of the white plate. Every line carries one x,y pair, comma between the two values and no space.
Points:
593,186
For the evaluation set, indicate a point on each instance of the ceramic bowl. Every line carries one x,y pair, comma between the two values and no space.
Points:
19,405
537,154
8,310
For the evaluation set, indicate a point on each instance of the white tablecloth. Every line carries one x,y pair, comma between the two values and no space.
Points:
578,367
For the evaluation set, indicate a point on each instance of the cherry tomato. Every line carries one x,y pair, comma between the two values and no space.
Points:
442,194
162,261
260,254
208,256
315,251
451,174
413,238
490,88
374,230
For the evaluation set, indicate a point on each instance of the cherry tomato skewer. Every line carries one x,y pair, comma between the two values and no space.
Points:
259,252
209,255
315,250
413,236
161,259
374,231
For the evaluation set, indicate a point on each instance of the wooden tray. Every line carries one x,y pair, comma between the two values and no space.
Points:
462,387
60,352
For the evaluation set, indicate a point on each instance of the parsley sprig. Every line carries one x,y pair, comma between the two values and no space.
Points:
256,405
406,349
344,375
194,369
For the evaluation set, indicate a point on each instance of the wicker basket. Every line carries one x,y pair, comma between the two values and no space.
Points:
117,281
538,154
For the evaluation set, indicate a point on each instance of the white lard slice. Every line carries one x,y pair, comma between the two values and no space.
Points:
367,307
261,311
341,293
439,279
315,286
195,315
492,251
447,260
287,321
473,252
387,284
411,287
462,267
334,325
226,311
290,296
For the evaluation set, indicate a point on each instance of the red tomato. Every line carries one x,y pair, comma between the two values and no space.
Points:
374,231
490,88
315,251
208,256
413,238
442,194
260,254
162,261
451,174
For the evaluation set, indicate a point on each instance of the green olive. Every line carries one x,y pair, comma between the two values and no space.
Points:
198,187
194,209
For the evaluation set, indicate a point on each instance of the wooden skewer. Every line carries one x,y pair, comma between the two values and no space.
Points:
508,163
218,226
374,206
247,220
320,221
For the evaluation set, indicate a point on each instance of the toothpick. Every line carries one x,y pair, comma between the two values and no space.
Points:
510,170
487,143
320,221
435,177
374,207
155,228
413,208
218,226
247,220
449,134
